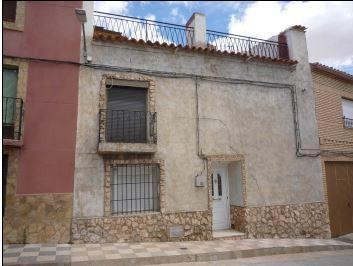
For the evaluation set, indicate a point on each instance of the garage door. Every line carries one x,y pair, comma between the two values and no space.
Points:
339,176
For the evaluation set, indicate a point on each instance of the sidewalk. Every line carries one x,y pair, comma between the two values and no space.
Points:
160,252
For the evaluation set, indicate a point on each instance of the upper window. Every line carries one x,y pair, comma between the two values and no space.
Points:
135,188
9,102
9,10
347,108
126,114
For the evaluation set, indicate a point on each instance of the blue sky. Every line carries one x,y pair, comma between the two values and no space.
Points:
329,34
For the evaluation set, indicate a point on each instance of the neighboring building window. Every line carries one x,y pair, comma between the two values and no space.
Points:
9,10
9,85
126,114
135,188
347,107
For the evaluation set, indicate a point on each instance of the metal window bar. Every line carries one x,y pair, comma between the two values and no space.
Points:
135,188
348,122
12,114
127,126
144,29
246,45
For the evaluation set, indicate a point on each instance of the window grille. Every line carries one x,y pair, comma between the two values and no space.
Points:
135,188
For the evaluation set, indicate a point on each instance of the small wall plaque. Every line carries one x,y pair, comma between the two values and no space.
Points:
176,231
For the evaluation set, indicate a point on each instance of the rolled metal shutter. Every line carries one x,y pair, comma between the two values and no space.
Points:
126,114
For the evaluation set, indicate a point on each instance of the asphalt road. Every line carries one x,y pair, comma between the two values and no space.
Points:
324,258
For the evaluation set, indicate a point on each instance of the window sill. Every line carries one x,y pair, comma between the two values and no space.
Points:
114,148
12,143
133,214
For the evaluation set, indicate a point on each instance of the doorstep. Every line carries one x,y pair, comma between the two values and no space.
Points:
227,234
160,252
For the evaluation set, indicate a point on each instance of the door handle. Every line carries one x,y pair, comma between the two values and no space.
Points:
349,204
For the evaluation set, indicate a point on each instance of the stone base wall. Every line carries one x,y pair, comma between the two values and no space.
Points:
142,227
38,219
44,218
307,220
237,218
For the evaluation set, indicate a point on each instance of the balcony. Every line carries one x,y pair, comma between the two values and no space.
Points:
12,116
173,35
347,122
124,131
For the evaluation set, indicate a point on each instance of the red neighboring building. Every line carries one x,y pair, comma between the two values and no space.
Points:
41,51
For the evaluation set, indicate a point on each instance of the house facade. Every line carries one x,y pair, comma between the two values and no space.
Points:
334,111
137,130
182,132
41,43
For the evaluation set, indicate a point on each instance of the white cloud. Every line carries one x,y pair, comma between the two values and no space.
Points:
115,7
177,17
330,26
150,17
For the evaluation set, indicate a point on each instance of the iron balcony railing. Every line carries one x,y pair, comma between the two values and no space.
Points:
12,114
246,45
150,30
348,122
127,126
144,29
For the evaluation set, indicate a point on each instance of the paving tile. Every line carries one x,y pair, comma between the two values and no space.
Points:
45,258
48,249
27,249
113,256
79,258
24,260
29,254
94,252
47,253
9,255
125,251
10,260
63,252
62,258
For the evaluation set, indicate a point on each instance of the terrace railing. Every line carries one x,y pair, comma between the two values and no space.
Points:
150,30
124,126
246,45
144,29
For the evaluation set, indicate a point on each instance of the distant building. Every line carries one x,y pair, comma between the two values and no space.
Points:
334,111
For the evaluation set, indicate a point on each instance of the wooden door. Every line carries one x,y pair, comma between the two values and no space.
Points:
339,176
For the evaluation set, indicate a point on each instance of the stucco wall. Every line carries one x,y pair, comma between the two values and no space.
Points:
252,120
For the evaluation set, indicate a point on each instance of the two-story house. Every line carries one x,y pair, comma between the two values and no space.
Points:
334,111
41,44
183,132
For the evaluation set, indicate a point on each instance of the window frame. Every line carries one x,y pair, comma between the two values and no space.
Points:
137,198
346,124
109,162
18,23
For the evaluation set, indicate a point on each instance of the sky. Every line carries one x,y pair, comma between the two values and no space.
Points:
329,24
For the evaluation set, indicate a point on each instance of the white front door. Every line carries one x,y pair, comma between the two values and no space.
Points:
220,194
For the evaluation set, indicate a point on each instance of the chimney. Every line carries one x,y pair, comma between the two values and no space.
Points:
198,22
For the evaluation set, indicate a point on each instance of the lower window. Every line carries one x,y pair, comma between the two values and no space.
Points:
135,188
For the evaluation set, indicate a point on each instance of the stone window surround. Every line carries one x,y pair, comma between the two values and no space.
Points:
226,158
106,78
108,163
22,66
18,25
